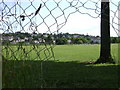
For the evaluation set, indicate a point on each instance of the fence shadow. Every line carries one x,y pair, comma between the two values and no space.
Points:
28,74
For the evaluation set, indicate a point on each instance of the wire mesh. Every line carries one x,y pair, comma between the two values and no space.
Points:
42,17
22,21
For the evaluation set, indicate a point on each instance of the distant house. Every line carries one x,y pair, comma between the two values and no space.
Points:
21,40
96,39
69,41
7,38
52,38
54,42
13,42
45,35
75,36
36,42
26,38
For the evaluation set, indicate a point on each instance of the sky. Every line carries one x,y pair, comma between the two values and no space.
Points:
62,15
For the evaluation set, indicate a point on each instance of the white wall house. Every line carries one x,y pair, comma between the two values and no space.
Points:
96,39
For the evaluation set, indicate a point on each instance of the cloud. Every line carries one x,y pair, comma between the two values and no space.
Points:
84,24
79,23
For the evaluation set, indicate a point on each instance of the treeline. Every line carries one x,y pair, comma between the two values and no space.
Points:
73,40
59,39
115,39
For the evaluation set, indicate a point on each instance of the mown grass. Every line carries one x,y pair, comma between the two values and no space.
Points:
27,52
67,71
82,53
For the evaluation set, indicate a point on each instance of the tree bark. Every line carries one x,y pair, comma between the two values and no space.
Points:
105,50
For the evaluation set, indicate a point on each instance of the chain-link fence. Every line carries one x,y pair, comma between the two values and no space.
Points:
22,23
27,27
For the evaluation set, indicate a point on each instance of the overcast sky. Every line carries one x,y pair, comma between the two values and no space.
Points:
51,18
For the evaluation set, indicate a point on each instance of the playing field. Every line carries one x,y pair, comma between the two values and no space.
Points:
66,71
81,53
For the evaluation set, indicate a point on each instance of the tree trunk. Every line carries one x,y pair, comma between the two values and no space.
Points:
105,51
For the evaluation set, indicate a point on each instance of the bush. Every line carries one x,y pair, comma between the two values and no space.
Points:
61,41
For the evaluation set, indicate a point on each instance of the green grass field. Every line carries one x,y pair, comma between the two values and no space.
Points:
82,53
66,71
